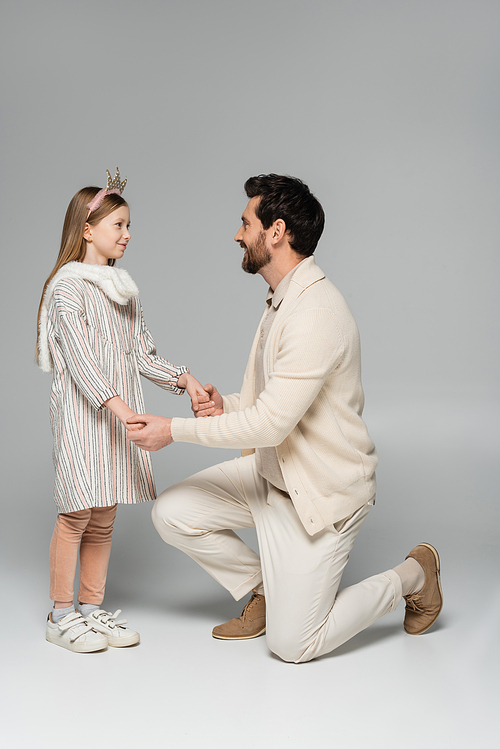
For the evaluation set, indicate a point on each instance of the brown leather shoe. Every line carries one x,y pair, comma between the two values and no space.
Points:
424,607
251,623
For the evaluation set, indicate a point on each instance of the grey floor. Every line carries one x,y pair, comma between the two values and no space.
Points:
181,688
389,110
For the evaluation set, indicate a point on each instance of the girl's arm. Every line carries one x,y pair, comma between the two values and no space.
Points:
120,409
79,357
74,350
163,373
154,367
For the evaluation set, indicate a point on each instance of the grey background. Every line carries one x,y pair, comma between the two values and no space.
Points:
389,110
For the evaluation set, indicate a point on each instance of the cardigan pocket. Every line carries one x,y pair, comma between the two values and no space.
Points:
345,524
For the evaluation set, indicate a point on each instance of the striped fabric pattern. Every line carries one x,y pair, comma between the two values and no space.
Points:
99,349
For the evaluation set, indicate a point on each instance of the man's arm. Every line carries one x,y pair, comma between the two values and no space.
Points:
154,432
311,346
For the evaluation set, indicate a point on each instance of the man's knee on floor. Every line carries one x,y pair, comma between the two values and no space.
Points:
285,646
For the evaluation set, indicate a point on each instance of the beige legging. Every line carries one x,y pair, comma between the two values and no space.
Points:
90,530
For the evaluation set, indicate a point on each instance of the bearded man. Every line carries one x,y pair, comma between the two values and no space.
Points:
306,478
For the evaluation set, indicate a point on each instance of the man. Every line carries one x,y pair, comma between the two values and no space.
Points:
306,478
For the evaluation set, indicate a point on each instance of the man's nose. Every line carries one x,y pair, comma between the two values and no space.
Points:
238,236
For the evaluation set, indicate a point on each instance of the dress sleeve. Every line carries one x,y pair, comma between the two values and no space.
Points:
154,367
79,357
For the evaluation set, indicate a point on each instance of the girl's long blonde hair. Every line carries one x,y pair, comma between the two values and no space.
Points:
73,245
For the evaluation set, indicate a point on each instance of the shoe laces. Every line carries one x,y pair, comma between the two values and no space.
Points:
251,603
109,619
414,602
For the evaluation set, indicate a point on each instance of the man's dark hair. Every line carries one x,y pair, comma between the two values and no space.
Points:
291,200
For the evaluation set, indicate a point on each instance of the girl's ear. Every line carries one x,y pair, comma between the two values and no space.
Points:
87,233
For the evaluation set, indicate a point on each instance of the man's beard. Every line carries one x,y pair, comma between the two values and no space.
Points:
257,255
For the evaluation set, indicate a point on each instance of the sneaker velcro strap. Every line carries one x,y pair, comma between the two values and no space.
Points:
72,621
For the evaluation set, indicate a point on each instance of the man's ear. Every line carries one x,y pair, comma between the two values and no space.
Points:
279,231
87,232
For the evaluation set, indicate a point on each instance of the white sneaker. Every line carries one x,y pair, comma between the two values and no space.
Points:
118,635
73,633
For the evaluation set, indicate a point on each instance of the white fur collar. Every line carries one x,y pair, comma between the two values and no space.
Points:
115,282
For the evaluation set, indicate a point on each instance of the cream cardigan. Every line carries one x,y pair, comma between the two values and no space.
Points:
311,407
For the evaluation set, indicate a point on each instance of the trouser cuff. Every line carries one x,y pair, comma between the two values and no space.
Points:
247,586
398,588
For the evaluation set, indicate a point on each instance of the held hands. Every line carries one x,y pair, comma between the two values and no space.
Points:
149,432
198,394
213,406
152,433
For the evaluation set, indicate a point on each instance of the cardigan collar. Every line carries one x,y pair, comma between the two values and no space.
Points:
276,297
116,283
307,273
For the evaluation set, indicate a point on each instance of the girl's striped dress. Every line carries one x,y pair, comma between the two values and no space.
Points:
93,337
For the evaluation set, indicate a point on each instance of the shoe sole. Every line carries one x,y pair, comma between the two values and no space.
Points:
438,568
245,637
74,647
122,642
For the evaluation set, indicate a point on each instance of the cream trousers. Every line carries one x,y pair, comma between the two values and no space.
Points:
306,615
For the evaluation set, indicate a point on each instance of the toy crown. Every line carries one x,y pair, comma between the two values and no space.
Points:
113,187
115,184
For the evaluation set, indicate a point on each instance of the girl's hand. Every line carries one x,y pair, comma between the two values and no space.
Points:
196,392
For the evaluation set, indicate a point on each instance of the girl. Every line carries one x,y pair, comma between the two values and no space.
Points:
92,336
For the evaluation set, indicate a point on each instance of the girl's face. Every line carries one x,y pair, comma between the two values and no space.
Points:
109,238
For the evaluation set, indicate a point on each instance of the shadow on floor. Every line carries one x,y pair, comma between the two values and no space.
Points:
376,634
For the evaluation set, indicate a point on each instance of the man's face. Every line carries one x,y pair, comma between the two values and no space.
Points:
253,239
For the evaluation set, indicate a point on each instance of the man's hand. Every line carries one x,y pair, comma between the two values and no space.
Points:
195,391
153,436
214,406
